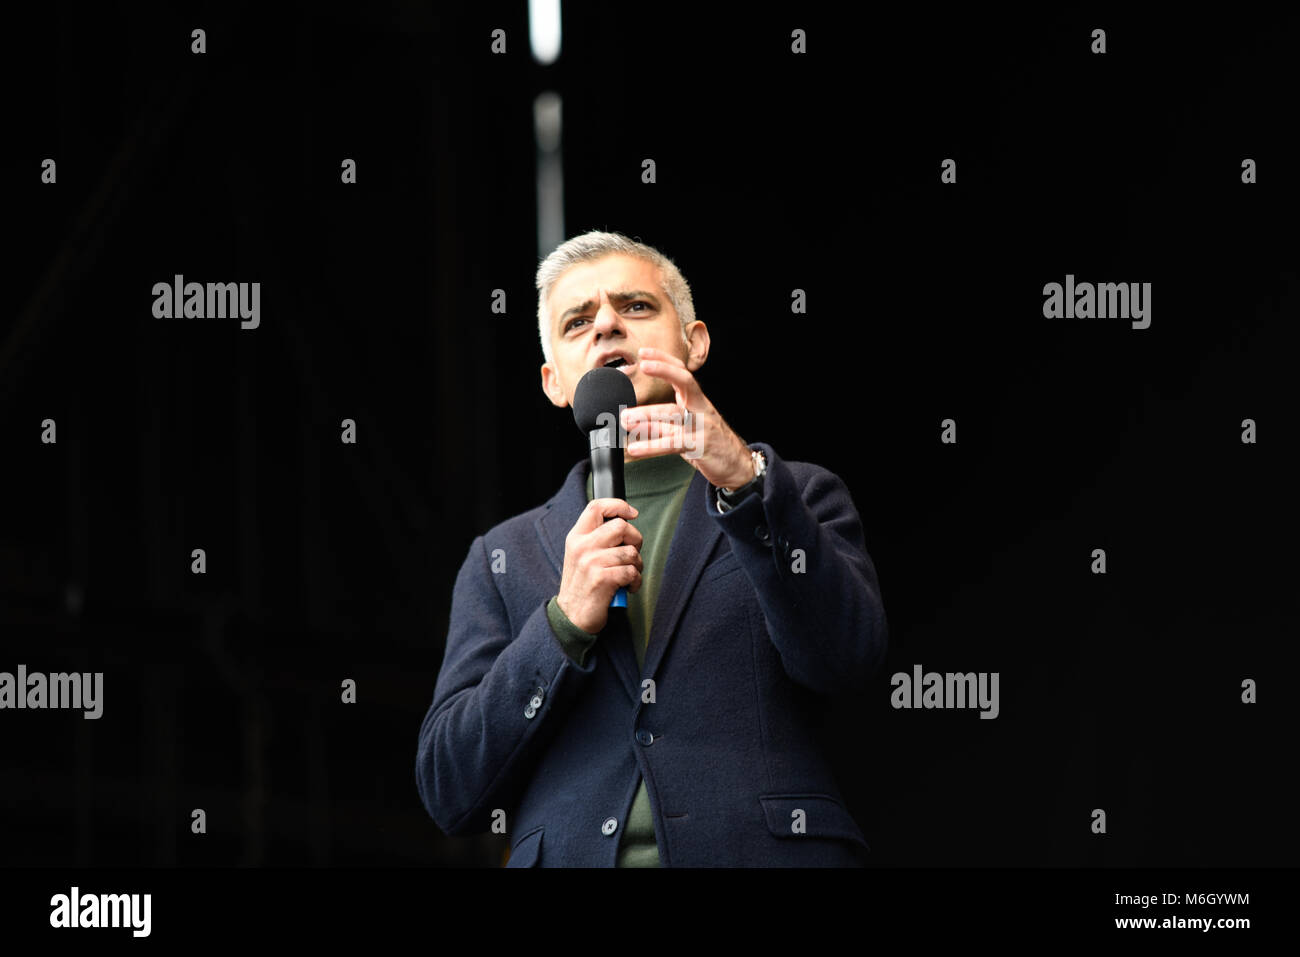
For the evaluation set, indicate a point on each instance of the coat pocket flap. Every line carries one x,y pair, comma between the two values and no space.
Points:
726,563
526,852
809,815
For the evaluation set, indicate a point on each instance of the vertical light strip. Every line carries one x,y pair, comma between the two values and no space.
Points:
544,30
547,124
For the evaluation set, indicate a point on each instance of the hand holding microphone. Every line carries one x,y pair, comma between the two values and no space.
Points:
601,560
602,553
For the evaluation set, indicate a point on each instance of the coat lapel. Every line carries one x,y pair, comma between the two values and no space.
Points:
692,543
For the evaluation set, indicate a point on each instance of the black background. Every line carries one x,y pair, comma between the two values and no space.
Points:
328,561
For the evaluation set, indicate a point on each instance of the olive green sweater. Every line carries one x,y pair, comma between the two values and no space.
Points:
656,487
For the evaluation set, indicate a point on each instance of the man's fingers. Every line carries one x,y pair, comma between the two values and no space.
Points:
660,412
598,510
612,508
621,555
653,430
657,355
627,576
680,377
616,533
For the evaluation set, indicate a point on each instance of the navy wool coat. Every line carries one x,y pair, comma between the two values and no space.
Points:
764,612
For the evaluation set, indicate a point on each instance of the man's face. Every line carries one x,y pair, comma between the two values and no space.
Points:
606,310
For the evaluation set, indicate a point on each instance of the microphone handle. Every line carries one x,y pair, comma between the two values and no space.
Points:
607,482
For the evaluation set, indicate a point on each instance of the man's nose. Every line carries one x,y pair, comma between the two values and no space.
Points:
608,322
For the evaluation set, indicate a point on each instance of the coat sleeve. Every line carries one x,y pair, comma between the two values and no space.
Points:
485,726
804,553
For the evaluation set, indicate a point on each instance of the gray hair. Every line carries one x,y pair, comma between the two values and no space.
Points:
592,246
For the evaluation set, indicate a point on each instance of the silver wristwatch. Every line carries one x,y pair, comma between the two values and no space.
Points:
727,498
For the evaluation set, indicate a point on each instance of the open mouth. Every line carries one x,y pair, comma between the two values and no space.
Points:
618,363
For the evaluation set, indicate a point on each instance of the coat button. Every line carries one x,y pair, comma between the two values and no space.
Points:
535,702
530,712
763,535
609,827
644,737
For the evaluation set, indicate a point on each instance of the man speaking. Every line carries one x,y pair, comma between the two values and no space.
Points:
683,732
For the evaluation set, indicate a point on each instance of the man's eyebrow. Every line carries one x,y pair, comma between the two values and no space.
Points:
617,297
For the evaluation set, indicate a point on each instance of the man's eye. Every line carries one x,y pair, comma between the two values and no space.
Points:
645,307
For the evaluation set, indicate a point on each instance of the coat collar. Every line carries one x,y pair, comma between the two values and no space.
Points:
693,541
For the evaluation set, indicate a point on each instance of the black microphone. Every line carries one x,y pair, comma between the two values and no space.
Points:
598,400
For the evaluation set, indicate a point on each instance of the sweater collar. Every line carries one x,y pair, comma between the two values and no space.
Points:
653,476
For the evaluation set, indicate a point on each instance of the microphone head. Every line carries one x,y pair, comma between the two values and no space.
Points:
600,391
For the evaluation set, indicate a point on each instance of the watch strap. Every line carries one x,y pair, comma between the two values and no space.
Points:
727,500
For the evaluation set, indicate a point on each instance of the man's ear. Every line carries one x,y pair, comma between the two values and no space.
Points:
698,349
551,386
